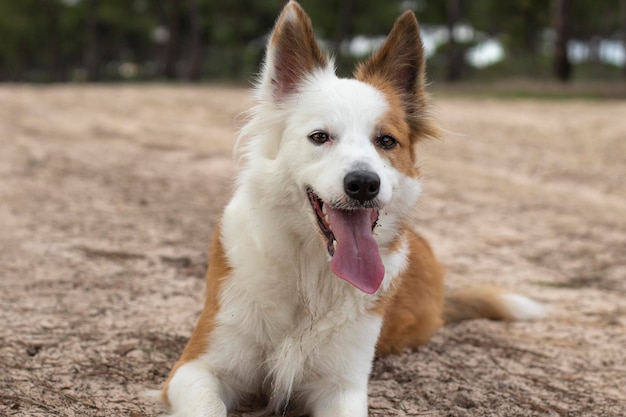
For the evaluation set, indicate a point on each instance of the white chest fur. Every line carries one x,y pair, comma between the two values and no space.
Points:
286,325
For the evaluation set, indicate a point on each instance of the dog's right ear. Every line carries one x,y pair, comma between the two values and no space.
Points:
292,53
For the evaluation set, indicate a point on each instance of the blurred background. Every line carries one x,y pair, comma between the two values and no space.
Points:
119,40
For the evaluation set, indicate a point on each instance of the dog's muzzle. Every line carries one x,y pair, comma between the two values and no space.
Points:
347,228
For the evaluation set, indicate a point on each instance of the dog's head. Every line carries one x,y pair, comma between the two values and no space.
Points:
344,146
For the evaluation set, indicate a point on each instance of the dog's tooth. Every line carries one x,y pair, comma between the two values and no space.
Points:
327,222
324,209
335,244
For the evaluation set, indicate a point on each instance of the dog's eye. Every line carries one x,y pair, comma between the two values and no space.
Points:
386,142
319,137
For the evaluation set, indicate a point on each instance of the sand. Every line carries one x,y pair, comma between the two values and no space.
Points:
109,194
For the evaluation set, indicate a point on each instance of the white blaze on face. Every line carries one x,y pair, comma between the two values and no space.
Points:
349,111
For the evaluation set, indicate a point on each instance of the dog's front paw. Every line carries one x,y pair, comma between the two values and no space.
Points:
345,403
204,409
195,392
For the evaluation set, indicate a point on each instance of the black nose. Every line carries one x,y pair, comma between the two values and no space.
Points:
361,185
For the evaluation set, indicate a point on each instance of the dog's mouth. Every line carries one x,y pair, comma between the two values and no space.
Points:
348,234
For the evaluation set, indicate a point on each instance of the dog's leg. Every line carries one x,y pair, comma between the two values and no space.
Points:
338,380
341,403
194,389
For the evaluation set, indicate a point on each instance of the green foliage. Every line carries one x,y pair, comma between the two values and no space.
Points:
332,18
55,40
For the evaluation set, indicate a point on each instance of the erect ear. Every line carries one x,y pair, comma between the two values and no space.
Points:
292,52
400,60
399,65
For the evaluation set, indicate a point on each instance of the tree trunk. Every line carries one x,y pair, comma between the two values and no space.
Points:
54,70
91,44
172,51
344,25
454,55
159,45
193,71
560,16
624,35
530,30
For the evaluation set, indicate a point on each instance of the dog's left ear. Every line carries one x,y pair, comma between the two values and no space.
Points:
292,52
399,65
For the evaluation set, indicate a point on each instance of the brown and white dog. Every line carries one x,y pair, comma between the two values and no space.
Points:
314,267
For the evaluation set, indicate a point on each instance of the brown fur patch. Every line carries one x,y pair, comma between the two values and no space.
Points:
393,123
218,271
397,70
413,313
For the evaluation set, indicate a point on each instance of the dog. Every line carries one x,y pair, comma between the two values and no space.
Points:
314,267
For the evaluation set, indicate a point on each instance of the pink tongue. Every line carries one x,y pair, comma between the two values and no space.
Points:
356,257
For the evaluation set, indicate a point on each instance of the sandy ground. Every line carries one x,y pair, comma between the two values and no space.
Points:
108,196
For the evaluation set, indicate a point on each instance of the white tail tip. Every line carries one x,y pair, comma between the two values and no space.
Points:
523,308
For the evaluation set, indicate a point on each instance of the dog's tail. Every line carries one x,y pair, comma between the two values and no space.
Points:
490,303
